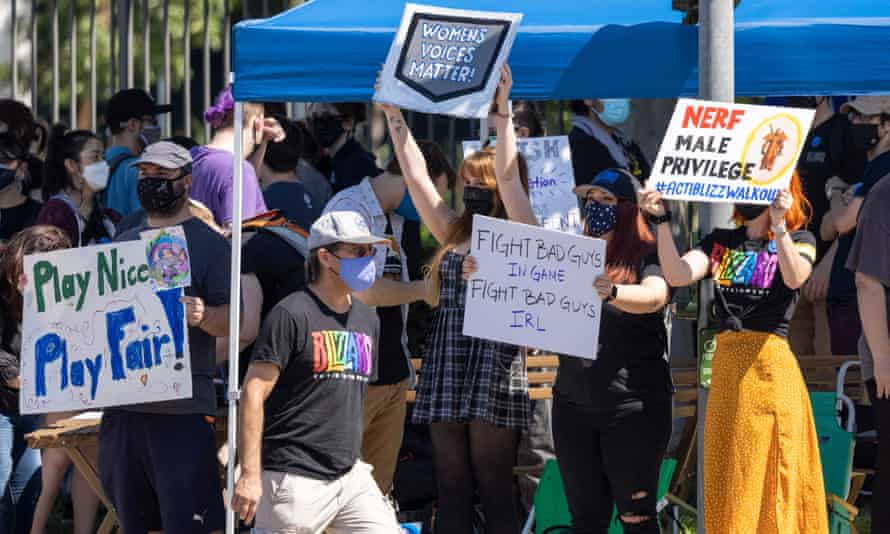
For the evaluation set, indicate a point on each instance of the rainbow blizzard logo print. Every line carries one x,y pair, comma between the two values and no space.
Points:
750,271
341,354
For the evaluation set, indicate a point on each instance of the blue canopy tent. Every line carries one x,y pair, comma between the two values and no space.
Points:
331,50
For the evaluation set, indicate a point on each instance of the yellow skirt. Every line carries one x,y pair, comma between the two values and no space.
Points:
762,473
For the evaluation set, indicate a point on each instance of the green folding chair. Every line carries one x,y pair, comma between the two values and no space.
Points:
550,513
836,445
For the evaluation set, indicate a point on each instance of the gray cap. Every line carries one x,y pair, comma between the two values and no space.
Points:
341,227
165,154
868,105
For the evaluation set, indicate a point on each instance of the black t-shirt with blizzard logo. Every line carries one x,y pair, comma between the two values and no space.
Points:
313,417
750,291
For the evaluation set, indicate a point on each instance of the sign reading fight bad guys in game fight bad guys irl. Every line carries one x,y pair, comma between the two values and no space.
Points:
447,61
104,326
534,287
550,180
739,153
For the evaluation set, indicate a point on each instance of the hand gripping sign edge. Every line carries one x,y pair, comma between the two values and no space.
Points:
450,19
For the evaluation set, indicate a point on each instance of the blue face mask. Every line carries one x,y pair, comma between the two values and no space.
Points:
615,111
600,218
406,208
358,273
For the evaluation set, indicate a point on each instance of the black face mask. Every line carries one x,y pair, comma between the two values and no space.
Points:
478,200
749,212
161,195
7,177
865,136
327,130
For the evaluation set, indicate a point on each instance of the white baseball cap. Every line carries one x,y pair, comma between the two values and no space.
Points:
342,227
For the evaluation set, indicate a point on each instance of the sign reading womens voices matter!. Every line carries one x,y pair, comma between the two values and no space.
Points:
447,61
534,287
99,330
550,180
717,152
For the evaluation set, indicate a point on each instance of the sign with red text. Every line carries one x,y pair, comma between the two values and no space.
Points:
550,180
738,153
534,287
99,330
447,61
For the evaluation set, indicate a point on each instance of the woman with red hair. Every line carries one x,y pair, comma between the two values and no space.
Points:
612,415
761,452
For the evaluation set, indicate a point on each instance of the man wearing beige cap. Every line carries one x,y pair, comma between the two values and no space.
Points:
157,461
301,406
869,257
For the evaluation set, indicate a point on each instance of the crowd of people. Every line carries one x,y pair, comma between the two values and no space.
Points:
327,281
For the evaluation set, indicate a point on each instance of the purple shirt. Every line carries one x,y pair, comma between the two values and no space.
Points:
212,180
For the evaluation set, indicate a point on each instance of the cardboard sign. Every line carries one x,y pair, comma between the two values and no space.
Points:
96,332
716,152
534,287
447,61
550,180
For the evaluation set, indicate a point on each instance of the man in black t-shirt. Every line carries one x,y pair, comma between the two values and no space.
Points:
829,158
157,461
301,410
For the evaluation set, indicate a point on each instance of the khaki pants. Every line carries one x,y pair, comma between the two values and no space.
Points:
351,504
384,425
808,333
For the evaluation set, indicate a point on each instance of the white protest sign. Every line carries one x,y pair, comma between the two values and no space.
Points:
447,61
534,287
717,152
96,333
550,180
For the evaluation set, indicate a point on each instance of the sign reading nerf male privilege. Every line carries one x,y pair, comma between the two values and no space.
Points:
447,61
98,330
550,180
716,152
534,287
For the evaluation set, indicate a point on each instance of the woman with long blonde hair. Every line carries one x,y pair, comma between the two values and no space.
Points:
762,471
473,392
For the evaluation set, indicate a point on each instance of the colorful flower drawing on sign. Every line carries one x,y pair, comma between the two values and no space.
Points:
167,256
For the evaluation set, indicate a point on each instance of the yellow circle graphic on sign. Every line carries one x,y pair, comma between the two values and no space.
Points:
780,137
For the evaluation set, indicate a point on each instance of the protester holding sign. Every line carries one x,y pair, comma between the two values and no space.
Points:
598,144
149,452
19,465
612,415
474,392
762,471
301,417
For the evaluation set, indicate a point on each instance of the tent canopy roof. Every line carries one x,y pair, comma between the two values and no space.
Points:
331,50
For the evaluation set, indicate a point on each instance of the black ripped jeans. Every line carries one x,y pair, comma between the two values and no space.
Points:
609,458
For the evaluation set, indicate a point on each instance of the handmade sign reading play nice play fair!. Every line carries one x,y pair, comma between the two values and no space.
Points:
716,152
447,61
98,330
550,180
534,287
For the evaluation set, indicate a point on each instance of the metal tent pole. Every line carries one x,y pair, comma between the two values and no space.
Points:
716,82
234,311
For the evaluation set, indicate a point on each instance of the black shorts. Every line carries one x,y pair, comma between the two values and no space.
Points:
161,472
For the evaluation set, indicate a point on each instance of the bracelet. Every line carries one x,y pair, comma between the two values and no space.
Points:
655,220
503,115
779,230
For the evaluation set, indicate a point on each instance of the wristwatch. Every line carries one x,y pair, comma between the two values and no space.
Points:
655,220
614,294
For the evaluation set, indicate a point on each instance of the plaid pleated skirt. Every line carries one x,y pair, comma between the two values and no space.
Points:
465,378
